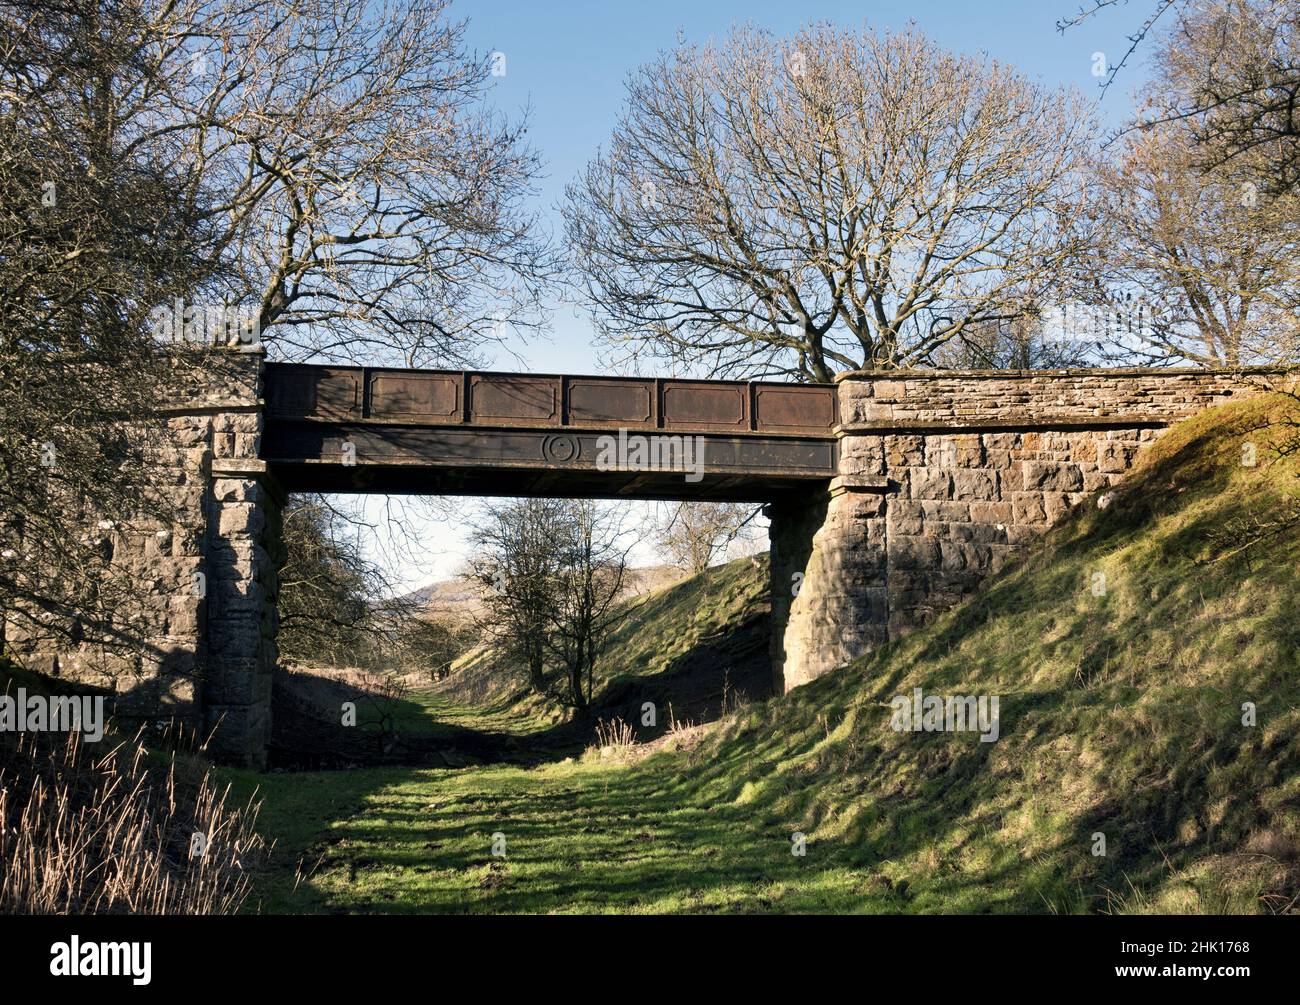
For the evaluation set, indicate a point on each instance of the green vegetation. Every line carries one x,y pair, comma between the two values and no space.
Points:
667,625
694,649
661,652
1121,714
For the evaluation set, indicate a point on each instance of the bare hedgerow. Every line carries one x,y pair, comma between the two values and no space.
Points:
85,832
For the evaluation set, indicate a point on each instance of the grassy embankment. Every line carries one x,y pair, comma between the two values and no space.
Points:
692,648
1121,715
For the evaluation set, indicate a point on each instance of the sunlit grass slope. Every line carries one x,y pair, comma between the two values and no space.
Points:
1121,713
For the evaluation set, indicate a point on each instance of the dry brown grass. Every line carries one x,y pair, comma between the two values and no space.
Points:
615,733
614,738
85,831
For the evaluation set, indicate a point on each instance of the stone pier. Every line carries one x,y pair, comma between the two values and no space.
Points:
241,553
195,644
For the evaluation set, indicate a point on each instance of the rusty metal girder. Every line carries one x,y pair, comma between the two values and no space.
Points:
457,397
460,432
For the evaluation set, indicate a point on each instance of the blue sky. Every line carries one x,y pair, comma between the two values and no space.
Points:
566,62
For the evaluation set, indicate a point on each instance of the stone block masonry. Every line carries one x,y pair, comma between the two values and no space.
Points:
943,477
202,624
241,552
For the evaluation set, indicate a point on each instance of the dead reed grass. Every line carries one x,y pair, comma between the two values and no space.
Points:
111,829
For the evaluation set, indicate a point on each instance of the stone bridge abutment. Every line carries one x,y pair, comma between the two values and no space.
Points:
942,477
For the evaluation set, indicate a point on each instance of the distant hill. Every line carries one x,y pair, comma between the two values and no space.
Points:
463,598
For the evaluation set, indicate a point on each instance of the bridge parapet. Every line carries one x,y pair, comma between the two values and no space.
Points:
907,400
491,399
473,433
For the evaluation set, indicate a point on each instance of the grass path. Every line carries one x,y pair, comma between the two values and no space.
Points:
427,711
579,836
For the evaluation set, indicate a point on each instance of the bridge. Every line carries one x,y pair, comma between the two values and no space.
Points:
890,495
470,433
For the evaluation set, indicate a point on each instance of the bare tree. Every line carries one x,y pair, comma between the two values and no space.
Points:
516,556
593,566
554,571
337,607
331,169
1198,266
1229,71
835,201
1197,198
98,223
342,158
694,534
373,199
